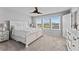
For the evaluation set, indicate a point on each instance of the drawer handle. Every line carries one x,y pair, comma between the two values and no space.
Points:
73,45
74,39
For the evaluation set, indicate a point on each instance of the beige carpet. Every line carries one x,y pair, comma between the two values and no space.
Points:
48,43
45,43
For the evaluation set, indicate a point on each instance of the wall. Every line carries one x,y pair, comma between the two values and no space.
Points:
66,23
50,15
21,18
11,15
78,19
3,14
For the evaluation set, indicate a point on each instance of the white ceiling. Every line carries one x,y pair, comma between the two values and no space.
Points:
43,10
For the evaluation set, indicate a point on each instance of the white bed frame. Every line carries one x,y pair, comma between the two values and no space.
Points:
26,37
25,34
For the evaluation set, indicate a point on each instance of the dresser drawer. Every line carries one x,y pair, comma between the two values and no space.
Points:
3,39
1,33
69,45
4,33
74,47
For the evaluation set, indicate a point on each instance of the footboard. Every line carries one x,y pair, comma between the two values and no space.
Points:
32,37
26,37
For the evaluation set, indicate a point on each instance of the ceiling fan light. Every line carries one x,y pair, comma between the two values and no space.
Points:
36,11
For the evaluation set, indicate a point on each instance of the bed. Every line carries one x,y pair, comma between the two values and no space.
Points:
25,35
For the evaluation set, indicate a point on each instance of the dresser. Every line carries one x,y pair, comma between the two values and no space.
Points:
72,40
4,35
4,32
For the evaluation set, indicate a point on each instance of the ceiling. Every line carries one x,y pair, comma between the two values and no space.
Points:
43,10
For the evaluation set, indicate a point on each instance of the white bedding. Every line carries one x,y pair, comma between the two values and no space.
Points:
28,30
26,36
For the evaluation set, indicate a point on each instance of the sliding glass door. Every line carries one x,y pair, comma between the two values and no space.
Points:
55,22
49,23
46,24
39,23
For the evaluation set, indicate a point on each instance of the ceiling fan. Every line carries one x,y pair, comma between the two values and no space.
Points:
36,11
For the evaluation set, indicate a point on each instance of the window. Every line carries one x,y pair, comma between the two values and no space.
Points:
46,23
55,21
39,23
49,23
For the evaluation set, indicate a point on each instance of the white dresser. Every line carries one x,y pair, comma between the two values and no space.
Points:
4,35
72,40
4,31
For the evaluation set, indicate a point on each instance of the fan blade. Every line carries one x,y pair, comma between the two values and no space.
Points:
36,8
39,13
36,11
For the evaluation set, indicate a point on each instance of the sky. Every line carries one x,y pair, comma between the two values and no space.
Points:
55,19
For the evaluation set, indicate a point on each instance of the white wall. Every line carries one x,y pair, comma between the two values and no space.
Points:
17,17
78,19
7,14
66,23
3,14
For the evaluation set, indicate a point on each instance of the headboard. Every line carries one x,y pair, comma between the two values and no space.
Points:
19,25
